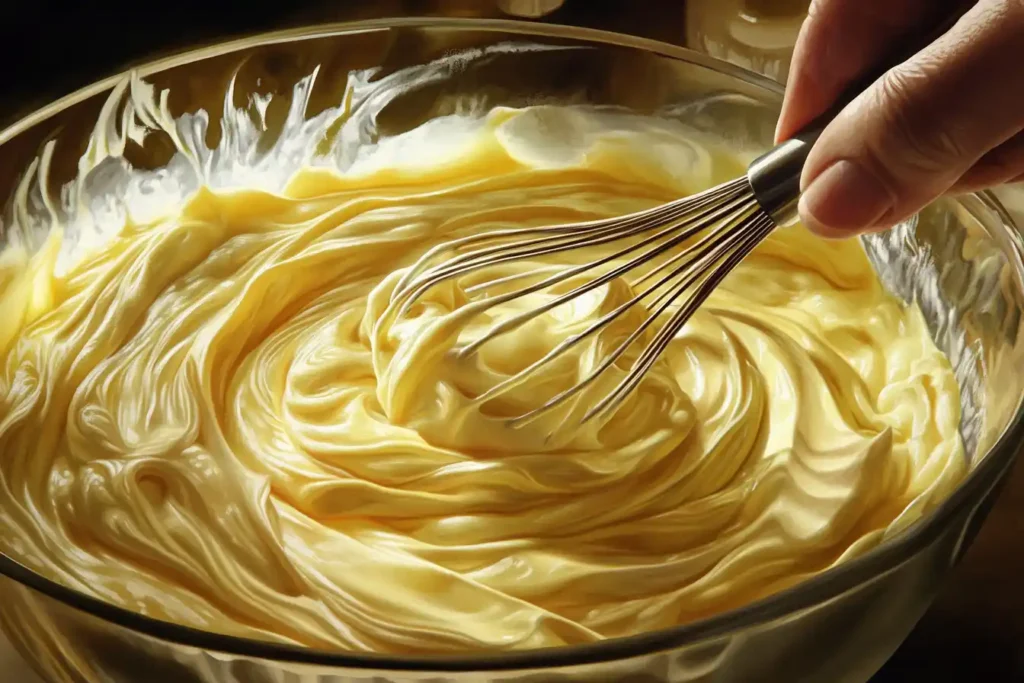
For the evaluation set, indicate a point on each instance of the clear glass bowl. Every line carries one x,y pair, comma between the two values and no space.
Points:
961,260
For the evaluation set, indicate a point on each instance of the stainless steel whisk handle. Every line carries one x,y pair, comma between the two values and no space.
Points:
774,176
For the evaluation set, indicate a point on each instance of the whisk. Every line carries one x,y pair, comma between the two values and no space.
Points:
724,224
690,244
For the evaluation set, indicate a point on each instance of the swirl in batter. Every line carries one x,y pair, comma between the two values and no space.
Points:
206,421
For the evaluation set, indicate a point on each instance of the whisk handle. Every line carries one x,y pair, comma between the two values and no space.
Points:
774,176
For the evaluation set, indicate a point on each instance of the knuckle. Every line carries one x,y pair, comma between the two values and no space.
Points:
911,126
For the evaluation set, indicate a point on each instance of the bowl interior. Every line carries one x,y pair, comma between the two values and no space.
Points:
130,142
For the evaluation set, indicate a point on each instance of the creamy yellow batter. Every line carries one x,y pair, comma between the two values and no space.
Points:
204,419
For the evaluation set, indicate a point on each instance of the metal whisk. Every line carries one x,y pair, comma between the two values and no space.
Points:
719,228
690,244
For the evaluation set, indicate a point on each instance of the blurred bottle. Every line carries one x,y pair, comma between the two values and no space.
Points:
529,9
756,34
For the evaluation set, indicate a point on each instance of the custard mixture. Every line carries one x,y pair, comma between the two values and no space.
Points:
207,420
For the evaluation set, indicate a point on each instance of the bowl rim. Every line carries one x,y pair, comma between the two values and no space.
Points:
809,593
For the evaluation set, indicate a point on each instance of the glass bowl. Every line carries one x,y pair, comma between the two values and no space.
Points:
961,260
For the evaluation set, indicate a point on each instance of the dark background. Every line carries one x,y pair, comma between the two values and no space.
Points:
47,49
51,48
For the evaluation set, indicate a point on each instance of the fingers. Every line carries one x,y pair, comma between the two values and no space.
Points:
914,133
840,40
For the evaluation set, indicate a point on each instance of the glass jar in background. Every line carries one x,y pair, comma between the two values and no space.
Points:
529,9
756,34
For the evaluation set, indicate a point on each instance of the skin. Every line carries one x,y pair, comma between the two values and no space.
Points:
948,119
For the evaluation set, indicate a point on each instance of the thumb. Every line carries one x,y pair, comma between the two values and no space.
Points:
912,135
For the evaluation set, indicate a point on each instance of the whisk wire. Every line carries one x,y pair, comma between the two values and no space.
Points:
660,304
659,307
687,233
727,223
554,239
761,227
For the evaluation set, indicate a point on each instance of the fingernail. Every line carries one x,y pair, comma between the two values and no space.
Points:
845,198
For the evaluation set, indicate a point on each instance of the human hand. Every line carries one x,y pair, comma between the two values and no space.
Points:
949,119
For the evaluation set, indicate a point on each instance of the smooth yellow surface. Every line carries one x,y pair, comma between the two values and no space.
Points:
205,421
